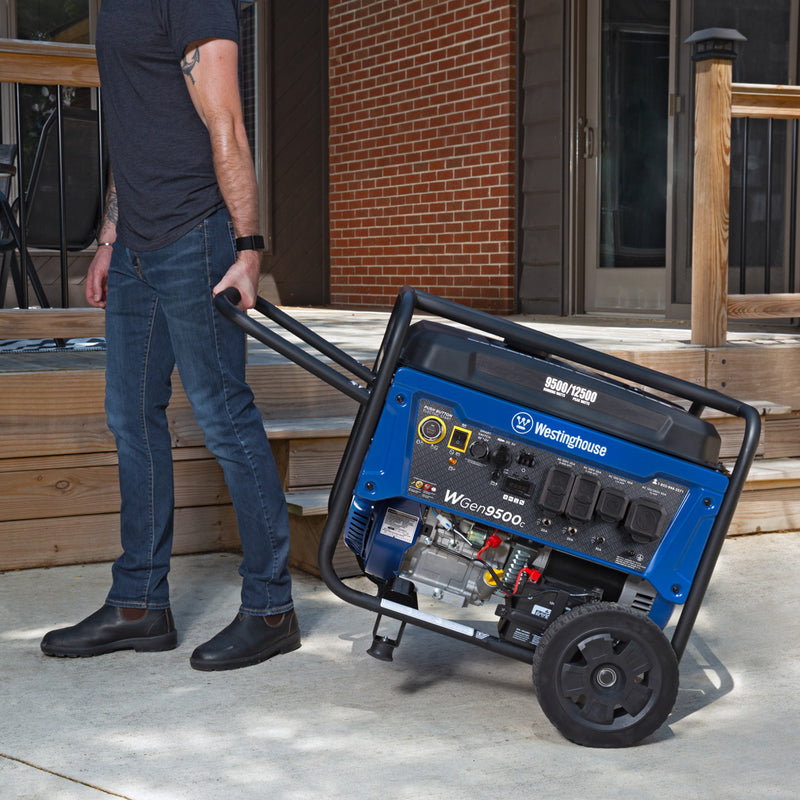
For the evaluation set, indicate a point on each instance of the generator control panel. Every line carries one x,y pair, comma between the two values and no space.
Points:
545,495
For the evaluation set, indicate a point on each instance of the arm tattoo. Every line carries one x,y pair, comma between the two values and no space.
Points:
188,63
112,205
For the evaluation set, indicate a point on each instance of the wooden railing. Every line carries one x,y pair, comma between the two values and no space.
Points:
717,100
761,101
49,64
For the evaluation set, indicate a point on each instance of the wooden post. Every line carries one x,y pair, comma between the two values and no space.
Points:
714,53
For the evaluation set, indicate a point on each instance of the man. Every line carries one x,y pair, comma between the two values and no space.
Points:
180,225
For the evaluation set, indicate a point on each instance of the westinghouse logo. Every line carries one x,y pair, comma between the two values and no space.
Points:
569,440
522,422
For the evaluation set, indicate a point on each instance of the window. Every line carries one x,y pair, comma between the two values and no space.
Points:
56,20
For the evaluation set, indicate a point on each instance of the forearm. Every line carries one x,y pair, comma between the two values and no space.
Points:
236,175
97,274
108,225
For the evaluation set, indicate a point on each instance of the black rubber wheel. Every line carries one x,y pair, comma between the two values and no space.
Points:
605,676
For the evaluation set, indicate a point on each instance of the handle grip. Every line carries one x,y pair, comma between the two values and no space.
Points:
226,302
231,294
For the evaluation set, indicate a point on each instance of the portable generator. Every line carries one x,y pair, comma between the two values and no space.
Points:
568,492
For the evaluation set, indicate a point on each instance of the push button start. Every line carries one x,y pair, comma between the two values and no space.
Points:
431,430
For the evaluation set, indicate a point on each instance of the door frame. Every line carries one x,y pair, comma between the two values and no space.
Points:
583,50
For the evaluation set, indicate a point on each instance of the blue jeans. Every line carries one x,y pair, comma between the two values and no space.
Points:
160,313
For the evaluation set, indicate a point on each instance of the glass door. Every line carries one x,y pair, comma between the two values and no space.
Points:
624,137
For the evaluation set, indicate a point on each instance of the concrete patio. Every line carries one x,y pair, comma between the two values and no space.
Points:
444,720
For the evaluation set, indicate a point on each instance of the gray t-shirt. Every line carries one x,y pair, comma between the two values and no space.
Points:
159,149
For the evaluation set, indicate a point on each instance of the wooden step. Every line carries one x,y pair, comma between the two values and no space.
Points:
308,510
308,452
51,323
308,502
80,539
770,500
53,412
40,494
773,473
63,509
58,463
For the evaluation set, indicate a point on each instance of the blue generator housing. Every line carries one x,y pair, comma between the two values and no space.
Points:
577,477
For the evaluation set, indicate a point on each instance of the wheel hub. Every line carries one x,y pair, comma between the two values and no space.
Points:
606,676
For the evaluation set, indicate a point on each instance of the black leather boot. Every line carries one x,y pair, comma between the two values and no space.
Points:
246,641
112,628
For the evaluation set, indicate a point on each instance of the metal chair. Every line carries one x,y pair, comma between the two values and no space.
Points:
49,223
11,237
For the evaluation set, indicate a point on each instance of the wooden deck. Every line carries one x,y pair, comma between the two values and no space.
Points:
58,468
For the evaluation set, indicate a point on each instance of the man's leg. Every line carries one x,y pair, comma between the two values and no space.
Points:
138,388
139,362
210,353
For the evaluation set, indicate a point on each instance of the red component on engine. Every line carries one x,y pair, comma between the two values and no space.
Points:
530,574
493,541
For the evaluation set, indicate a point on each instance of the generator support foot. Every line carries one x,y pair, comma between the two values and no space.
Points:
383,646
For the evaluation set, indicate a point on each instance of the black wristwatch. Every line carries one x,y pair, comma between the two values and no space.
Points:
249,243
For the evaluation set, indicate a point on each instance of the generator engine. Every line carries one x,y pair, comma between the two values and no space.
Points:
456,560
461,562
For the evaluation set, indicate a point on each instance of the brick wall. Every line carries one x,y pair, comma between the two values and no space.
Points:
422,150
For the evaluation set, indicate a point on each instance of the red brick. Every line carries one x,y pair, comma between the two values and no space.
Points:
422,138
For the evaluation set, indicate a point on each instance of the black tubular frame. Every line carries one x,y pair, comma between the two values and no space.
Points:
372,398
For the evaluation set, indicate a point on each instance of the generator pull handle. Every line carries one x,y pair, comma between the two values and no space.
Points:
226,302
